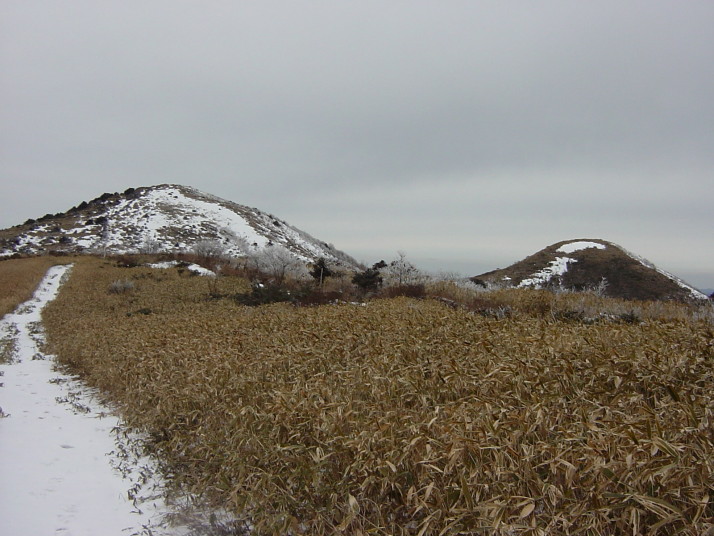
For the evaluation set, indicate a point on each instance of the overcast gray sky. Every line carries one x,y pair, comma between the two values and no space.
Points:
467,134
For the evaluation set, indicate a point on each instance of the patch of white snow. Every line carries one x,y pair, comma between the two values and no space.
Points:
572,247
163,265
196,268
200,270
557,267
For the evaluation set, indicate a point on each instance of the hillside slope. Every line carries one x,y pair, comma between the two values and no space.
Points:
593,264
163,218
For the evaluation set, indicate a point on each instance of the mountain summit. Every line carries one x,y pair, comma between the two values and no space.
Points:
164,218
593,264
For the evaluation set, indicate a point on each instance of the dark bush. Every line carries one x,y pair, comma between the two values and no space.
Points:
319,297
570,316
370,279
320,271
127,261
263,294
629,317
300,295
142,311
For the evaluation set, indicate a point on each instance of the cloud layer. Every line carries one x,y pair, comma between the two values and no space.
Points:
467,134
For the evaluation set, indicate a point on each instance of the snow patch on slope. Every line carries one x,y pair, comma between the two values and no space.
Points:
572,247
169,218
162,210
555,268
559,266
196,268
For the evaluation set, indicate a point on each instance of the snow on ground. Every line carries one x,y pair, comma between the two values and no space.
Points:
572,247
196,268
200,270
185,212
557,267
172,218
68,466
163,265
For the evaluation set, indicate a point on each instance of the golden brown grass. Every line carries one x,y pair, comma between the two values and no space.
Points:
587,306
19,279
403,416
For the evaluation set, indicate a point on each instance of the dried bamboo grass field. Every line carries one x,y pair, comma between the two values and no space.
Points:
19,279
403,416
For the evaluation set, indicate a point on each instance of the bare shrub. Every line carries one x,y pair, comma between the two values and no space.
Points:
401,271
279,263
208,249
150,246
121,286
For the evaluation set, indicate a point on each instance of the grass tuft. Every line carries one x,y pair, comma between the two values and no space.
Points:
121,286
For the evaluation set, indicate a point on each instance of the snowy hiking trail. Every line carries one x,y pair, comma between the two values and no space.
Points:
66,465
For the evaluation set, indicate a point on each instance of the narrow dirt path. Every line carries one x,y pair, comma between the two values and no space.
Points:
67,466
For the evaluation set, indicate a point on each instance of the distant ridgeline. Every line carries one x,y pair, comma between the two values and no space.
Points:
179,219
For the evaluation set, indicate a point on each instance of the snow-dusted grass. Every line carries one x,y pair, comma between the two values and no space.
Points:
558,266
587,306
406,416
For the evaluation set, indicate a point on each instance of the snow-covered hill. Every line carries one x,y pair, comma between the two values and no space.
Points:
164,218
593,264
